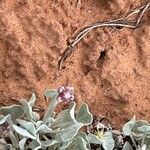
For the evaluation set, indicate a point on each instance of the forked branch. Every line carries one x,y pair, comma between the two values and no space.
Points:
121,22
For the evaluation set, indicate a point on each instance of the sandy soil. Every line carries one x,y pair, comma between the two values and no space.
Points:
109,70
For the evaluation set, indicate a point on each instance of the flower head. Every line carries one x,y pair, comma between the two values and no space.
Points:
65,94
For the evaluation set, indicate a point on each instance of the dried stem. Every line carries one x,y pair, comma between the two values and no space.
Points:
121,22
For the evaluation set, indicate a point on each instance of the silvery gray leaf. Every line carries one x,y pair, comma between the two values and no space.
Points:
6,119
32,100
144,129
127,146
23,132
84,116
64,145
108,142
35,144
127,128
78,144
29,126
43,129
22,144
93,139
83,135
68,133
138,124
47,143
51,93
49,111
38,123
27,109
16,111
65,118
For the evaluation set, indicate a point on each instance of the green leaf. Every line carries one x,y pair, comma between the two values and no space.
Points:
127,146
29,126
65,118
51,93
22,144
16,111
84,116
127,128
23,132
94,139
69,133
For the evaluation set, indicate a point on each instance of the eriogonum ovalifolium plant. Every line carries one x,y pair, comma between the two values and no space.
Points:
21,128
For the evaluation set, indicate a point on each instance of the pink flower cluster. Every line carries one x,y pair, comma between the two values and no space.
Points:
65,94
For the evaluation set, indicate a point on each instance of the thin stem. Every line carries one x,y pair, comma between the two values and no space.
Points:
143,138
131,136
13,139
50,110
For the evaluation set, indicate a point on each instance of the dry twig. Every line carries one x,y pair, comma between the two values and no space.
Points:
122,22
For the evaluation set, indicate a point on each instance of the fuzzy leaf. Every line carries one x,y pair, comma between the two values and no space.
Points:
35,144
84,136
50,110
138,124
108,142
6,119
65,118
43,129
29,126
27,109
144,129
51,93
48,143
84,116
127,146
32,100
64,145
22,143
94,139
69,133
78,144
23,132
127,128
16,111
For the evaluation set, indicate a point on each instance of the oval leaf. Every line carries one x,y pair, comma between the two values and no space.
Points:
23,132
